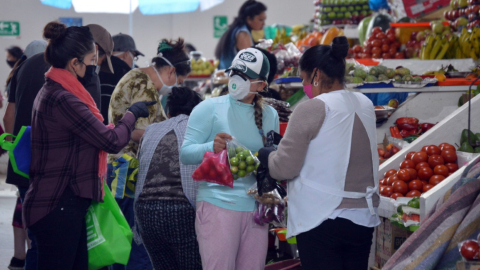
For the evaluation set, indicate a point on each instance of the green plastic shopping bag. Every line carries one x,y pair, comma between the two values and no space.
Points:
19,150
109,237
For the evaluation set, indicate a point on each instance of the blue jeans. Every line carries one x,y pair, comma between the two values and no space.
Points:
139,259
31,259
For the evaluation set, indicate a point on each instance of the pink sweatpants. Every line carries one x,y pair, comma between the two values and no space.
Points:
230,240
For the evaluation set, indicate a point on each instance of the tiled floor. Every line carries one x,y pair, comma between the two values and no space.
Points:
7,203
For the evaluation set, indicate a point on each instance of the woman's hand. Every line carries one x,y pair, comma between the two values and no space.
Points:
220,142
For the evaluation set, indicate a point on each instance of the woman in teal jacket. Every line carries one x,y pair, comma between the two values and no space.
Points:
227,235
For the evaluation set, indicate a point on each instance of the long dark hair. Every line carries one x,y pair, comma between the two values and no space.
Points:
330,60
15,51
66,43
175,53
249,9
15,67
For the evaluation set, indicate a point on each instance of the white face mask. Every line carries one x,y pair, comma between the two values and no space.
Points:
131,55
166,89
239,87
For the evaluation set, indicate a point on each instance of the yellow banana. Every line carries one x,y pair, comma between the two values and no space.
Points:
443,51
436,49
428,46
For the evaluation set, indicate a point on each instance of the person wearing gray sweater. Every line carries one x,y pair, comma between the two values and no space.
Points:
329,156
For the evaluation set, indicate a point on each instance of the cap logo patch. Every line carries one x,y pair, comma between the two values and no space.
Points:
249,57
240,66
234,86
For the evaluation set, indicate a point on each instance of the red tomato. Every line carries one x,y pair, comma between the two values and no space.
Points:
442,145
433,150
413,173
393,50
357,49
385,48
389,173
470,249
376,49
399,55
366,55
435,160
409,155
420,157
427,187
407,164
425,173
376,43
400,187
386,41
391,37
422,164
376,30
435,179
448,146
381,187
424,182
376,55
441,170
449,155
424,149
404,175
396,195
387,191
382,181
386,55
212,174
392,179
452,167
413,193
415,185
390,31
380,36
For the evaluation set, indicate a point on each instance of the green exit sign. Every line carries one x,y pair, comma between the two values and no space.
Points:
220,26
9,28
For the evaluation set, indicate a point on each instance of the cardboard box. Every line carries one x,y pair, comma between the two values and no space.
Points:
461,265
389,240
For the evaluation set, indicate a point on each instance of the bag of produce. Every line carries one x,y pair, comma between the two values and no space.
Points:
282,108
214,169
242,162
270,208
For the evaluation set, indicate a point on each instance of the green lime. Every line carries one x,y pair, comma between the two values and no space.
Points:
247,153
250,160
235,177
231,152
234,169
250,168
234,161
242,165
241,156
242,173
239,149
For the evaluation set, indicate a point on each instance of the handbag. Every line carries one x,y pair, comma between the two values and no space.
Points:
109,237
125,171
19,151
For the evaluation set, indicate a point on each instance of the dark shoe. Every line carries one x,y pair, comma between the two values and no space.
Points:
16,264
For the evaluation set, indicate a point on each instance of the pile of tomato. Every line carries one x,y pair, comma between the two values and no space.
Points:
420,171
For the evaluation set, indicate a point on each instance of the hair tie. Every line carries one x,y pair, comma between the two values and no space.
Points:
163,46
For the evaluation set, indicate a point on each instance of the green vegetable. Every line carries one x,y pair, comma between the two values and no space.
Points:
465,147
399,210
414,203
410,139
464,137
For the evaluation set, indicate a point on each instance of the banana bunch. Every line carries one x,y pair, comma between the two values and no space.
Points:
469,44
281,36
438,47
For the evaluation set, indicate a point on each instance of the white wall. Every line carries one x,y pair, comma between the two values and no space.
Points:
195,27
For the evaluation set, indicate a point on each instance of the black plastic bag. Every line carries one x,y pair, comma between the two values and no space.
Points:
265,183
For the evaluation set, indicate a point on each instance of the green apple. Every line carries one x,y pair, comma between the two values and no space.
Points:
343,9
366,7
336,9
339,15
331,15
347,15
358,8
327,9
363,13
355,13
351,8
336,2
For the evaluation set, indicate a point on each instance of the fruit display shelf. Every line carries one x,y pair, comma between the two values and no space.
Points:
447,130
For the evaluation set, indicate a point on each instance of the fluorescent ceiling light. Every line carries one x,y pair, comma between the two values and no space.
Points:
105,6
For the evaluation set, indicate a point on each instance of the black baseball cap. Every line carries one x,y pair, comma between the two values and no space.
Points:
124,43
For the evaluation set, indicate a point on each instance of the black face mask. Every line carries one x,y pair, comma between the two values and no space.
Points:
90,73
11,63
